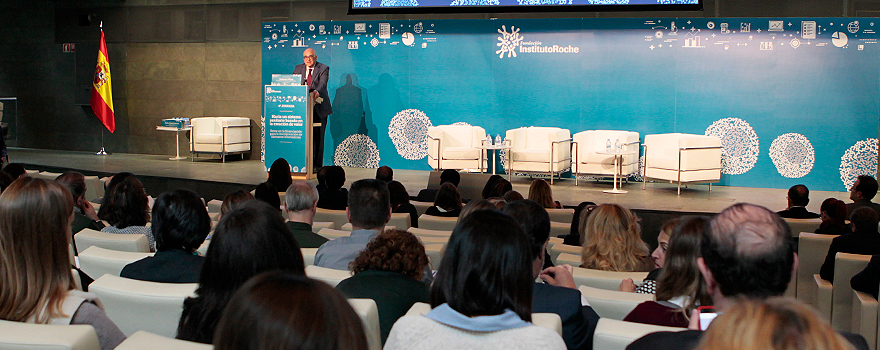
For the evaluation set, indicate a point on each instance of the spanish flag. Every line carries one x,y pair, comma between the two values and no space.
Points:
102,94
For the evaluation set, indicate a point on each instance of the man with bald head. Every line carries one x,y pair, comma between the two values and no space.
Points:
746,255
315,76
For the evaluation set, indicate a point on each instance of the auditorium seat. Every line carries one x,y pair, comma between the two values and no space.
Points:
611,303
20,335
220,135
566,258
554,240
588,146
203,249
398,221
845,267
318,225
142,340
77,280
333,234
559,228
337,217
812,249
616,335
367,310
421,207
539,150
563,215
94,188
97,261
142,306
609,280
455,147
113,241
802,225
557,249
327,275
437,223
545,320
309,255
45,175
420,232
864,317
435,253
682,158
214,206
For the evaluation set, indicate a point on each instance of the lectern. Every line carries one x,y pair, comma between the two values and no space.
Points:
287,130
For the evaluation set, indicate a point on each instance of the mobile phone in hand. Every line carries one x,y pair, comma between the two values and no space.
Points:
707,314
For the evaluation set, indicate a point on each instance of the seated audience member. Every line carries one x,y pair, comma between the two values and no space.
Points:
385,173
249,240
747,254
681,288
5,180
447,203
558,295
299,204
798,198
233,200
35,281
15,170
180,225
833,214
282,310
772,324
266,192
511,196
279,175
321,175
868,280
447,176
649,284
400,202
369,209
389,271
499,203
861,192
612,241
540,192
482,295
84,214
502,186
126,208
472,206
489,188
574,234
863,240
334,197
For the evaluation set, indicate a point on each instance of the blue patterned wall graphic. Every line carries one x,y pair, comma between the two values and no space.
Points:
795,100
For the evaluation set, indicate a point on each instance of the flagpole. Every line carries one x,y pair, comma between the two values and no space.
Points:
102,152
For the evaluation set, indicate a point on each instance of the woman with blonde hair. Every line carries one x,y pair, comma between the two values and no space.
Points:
541,193
772,324
36,285
612,241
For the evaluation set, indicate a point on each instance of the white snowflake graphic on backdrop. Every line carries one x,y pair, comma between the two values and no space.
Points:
508,41
739,145
461,123
860,159
544,2
793,155
475,3
357,151
638,175
398,3
361,3
263,137
409,133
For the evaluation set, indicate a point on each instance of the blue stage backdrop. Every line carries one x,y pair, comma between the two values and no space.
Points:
795,100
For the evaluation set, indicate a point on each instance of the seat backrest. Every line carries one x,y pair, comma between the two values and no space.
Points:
845,267
327,275
309,255
142,340
318,225
338,217
369,314
437,223
418,309
421,232
611,303
461,135
435,253
214,205
20,335
333,234
96,261
205,125
48,176
561,215
609,280
401,221
559,228
567,258
94,188
802,225
557,249
142,306
548,320
114,241
812,249
616,335
536,137
421,207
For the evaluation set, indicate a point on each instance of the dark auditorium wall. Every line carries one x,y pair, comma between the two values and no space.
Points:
194,58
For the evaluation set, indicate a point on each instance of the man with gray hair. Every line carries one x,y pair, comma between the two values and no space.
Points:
300,204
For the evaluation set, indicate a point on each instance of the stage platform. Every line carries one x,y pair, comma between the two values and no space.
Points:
213,179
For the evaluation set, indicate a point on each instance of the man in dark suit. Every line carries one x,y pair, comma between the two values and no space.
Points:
863,240
798,198
315,76
746,255
861,192
300,204
559,295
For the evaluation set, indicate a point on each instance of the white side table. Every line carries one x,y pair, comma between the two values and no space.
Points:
177,132
618,158
495,149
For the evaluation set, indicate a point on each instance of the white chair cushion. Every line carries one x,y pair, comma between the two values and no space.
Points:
20,335
461,153
141,340
139,305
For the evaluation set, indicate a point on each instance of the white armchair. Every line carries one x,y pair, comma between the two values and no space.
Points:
455,147
539,150
682,158
220,135
588,144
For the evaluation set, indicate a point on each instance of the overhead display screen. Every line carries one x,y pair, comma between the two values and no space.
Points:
451,6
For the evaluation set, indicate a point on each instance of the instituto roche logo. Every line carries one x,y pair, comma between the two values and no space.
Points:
510,43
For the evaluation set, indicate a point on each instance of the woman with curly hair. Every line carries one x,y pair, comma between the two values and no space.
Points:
389,271
612,241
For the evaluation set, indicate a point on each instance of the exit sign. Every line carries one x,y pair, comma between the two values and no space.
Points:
68,47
